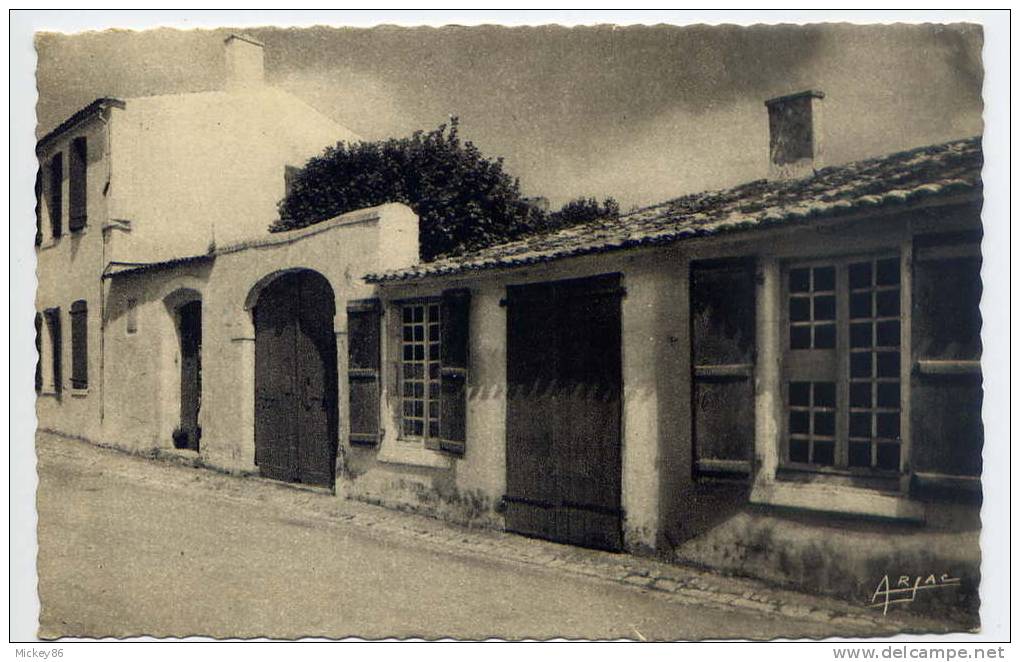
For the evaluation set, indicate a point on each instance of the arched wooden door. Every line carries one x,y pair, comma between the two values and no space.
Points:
296,418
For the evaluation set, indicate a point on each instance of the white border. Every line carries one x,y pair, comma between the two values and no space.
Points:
996,581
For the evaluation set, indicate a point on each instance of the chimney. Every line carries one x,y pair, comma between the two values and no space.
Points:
793,137
244,62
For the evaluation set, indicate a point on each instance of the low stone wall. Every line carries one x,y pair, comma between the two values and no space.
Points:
848,558
432,494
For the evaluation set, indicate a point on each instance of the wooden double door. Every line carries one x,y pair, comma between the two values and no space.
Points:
563,411
296,417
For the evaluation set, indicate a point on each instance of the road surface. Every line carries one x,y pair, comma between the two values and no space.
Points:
122,553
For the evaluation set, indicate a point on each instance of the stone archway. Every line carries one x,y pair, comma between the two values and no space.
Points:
296,411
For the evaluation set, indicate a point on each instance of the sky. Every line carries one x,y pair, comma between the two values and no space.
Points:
642,114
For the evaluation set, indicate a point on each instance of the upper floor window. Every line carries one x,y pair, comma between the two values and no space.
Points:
78,202
55,197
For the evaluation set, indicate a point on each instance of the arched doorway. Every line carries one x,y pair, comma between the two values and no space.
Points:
296,379
181,368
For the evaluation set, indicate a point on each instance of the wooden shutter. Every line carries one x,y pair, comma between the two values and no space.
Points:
363,328
78,202
723,353
79,345
53,322
56,195
38,207
38,352
945,391
455,336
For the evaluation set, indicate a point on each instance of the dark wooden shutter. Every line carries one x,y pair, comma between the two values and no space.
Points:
945,399
53,322
455,336
723,354
38,352
79,345
56,195
78,202
363,344
38,206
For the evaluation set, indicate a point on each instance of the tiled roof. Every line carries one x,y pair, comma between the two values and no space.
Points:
939,170
96,106
115,268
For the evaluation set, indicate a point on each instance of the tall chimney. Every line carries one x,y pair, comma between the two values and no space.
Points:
793,137
244,62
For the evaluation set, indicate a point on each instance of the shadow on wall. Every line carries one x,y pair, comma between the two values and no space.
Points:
144,288
709,503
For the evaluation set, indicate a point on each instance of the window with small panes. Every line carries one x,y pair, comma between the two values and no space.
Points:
420,370
842,364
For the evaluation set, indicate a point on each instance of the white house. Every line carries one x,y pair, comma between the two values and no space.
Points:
129,182
671,381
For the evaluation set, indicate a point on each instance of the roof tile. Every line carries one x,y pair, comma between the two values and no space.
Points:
944,169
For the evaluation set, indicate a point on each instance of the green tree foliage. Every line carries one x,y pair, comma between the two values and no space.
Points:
464,200
582,210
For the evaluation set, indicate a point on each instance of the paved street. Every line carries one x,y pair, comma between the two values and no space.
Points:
133,546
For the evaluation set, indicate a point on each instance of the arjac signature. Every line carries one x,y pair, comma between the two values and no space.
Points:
906,587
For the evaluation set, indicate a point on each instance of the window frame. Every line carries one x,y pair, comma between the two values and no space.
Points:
428,381
867,476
